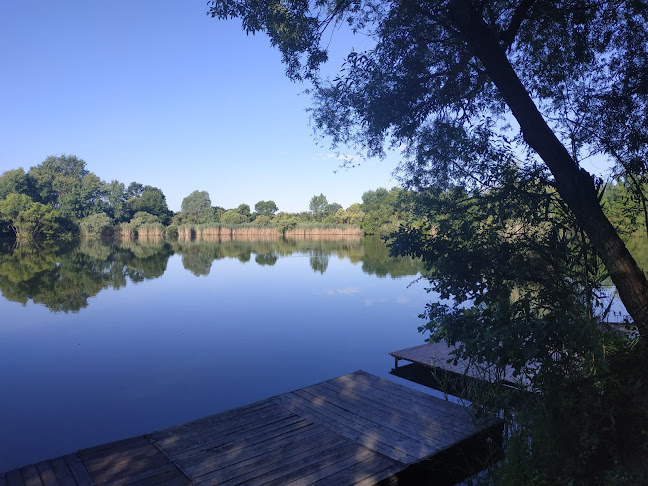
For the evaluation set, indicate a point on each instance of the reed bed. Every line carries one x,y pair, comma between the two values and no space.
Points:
310,231
213,232
153,230
186,232
209,230
251,232
125,231
255,232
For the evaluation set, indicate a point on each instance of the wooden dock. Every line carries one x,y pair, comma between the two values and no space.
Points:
433,365
355,429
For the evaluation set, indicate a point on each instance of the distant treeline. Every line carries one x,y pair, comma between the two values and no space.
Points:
60,197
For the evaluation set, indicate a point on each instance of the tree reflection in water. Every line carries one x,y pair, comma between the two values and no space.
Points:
62,276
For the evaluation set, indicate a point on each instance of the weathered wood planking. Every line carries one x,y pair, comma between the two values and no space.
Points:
133,461
355,429
439,356
64,471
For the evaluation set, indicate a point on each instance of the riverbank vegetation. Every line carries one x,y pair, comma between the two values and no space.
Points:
61,198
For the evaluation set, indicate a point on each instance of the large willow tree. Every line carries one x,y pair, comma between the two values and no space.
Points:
464,84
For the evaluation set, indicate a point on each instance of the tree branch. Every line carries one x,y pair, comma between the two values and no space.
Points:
508,36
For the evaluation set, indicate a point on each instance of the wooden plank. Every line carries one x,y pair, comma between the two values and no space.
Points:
415,428
259,433
436,355
78,470
201,425
424,409
181,440
412,443
233,456
419,402
294,452
169,477
123,460
251,428
386,388
147,476
14,478
127,465
304,466
62,471
327,470
30,476
433,410
369,471
47,474
236,447
345,426
268,466
396,435
92,453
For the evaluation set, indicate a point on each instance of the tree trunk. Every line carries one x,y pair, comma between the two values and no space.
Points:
574,185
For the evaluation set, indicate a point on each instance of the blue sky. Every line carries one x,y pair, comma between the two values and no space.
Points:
159,93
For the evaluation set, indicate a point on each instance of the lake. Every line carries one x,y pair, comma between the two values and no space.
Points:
100,342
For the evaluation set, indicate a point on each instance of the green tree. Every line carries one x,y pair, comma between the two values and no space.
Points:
134,190
95,225
115,194
232,217
262,220
266,208
625,210
66,184
441,78
380,209
351,215
317,206
196,207
14,181
27,218
152,201
285,221
354,214
243,209
332,208
142,218
56,177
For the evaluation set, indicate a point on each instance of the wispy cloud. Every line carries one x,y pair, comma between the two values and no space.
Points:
343,291
372,302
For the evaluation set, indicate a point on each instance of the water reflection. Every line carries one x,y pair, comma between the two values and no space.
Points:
62,277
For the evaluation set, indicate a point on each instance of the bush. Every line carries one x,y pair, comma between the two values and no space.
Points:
95,225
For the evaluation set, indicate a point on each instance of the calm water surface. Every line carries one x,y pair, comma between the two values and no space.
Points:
101,342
